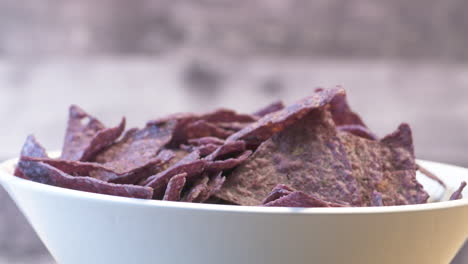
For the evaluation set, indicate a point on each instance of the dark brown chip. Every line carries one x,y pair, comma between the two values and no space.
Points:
86,135
300,199
279,191
227,150
264,128
376,199
190,164
458,194
202,128
271,108
205,141
227,164
44,173
174,187
308,156
33,149
358,130
138,148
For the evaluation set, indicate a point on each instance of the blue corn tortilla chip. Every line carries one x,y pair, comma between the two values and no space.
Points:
279,191
307,155
358,130
86,136
199,187
192,125
271,108
202,128
138,148
44,173
205,150
31,148
206,141
342,114
458,194
300,199
267,126
376,199
190,164
174,187
137,174
227,150
227,164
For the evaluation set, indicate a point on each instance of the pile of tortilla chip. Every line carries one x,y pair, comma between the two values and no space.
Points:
314,153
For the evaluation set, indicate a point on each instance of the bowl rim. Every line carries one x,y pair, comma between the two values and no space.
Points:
8,180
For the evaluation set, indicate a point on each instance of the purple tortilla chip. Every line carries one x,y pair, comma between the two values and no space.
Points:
376,199
101,140
279,191
206,141
33,149
300,199
44,173
202,128
458,194
190,164
227,164
399,151
342,113
84,139
205,124
151,167
271,108
213,186
232,126
308,156
205,150
71,167
199,187
226,115
174,187
138,148
227,150
264,128
358,130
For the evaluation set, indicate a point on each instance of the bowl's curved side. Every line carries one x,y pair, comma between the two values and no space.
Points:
80,227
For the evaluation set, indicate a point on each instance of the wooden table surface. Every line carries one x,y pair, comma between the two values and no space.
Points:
34,96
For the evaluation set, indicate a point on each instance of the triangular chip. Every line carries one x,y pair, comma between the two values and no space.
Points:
308,156
86,135
31,148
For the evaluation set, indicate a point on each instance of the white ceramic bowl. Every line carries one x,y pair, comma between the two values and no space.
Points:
80,227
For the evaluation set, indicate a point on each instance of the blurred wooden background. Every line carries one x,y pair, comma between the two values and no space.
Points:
400,61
